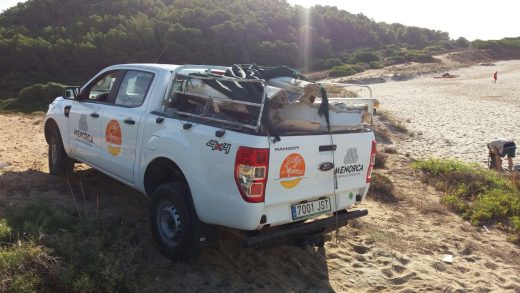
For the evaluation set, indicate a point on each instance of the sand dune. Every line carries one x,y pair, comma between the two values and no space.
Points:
398,247
456,117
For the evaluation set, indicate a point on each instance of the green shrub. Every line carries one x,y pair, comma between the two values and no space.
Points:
396,59
495,204
454,202
507,48
462,42
347,58
418,56
375,65
343,70
365,56
360,67
436,167
40,94
5,230
319,64
480,195
390,50
515,223
433,49
333,62
36,97
8,105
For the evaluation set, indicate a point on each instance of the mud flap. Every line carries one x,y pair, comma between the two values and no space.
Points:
203,234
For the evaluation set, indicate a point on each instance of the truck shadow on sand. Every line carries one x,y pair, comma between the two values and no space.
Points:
223,267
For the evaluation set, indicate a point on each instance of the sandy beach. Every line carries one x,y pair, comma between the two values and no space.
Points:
455,118
399,247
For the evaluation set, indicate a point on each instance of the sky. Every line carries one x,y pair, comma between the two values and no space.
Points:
472,19
4,4
477,19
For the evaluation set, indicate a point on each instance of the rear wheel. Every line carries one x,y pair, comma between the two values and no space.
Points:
171,221
59,163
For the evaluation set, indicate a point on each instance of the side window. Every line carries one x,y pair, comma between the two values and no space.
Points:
100,89
133,88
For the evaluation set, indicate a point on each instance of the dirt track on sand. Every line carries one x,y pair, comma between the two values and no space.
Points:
397,247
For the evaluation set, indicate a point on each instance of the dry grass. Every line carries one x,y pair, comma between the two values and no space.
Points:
318,75
382,134
392,122
52,248
390,150
340,91
515,180
380,161
432,207
383,238
382,188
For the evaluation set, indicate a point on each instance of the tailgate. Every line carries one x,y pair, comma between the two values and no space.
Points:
352,159
302,167
294,175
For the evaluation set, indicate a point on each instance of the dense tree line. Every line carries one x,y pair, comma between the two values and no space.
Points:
69,40
506,48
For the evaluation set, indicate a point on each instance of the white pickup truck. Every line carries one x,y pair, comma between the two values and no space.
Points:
251,148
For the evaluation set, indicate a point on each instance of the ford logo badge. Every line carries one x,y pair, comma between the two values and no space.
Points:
325,166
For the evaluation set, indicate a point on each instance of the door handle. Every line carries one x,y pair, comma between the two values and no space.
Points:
94,115
66,111
129,121
330,147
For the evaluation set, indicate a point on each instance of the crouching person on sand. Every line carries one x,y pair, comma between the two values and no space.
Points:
500,148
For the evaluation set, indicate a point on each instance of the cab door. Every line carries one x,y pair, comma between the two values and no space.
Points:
85,115
120,124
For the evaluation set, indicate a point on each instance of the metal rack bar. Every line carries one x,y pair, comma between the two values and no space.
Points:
256,127
218,99
214,119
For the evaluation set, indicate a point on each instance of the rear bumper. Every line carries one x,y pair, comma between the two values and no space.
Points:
292,231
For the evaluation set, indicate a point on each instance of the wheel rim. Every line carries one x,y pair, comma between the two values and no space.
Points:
54,153
169,223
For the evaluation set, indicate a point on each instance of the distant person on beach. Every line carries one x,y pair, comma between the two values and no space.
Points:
495,77
500,148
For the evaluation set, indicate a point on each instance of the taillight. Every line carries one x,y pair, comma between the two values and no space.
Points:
372,161
251,166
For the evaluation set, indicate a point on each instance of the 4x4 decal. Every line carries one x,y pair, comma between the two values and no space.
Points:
221,147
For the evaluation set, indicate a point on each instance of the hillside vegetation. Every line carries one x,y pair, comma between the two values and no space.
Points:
507,48
67,41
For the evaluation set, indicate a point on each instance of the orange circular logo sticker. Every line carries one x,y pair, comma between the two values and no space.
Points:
113,137
292,170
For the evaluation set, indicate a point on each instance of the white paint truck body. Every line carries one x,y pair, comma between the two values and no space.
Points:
120,124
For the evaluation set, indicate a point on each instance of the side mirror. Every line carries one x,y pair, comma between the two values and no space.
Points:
71,92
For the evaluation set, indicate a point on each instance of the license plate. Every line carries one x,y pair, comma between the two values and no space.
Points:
310,209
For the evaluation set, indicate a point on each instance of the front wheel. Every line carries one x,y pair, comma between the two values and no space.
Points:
171,221
59,163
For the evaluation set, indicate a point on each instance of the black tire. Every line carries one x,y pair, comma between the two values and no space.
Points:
172,222
59,163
